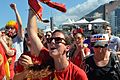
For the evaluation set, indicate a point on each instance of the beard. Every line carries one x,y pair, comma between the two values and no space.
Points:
10,34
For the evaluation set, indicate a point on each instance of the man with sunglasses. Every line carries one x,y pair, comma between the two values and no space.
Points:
58,46
14,30
101,65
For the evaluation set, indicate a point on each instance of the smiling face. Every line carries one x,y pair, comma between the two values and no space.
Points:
11,31
48,34
108,30
79,39
11,28
57,45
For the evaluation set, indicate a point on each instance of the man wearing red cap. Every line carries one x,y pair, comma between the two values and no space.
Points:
14,30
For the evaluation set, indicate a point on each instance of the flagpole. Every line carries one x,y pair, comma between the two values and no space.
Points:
51,23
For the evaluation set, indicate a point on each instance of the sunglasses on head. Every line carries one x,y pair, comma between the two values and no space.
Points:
56,39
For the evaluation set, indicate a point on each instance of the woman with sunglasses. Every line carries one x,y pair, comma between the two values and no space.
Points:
47,36
81,50
101,65
52,62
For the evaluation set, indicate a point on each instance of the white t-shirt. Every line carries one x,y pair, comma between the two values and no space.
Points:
114,43
18,45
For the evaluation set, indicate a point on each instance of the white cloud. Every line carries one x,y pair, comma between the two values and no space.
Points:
80,10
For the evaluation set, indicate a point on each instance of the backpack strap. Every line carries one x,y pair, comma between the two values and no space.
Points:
116,63
89,63
116,59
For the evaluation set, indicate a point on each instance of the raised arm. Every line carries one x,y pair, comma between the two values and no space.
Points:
32,29
19,21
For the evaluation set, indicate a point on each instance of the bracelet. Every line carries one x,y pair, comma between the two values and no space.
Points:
29,66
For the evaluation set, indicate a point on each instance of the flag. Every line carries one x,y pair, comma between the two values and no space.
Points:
44,1
4,65
36,7
58,6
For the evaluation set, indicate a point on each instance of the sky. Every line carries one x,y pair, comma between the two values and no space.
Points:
75,10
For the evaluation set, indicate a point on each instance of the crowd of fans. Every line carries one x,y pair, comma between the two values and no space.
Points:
32,55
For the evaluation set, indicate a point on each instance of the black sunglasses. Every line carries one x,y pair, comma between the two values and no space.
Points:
9,27
57,40
47,35
101,46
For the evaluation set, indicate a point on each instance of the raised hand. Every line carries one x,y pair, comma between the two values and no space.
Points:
13,6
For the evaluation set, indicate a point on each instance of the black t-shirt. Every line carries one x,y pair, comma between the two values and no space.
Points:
101,73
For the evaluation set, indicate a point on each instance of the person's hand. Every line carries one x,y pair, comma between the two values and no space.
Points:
13,6
25,60
85,45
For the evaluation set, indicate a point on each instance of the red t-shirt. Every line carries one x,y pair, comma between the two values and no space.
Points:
43,58
72,72
77,60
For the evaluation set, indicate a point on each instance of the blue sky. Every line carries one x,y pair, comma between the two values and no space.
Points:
75,10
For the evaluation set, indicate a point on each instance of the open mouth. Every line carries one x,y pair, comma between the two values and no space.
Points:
53,48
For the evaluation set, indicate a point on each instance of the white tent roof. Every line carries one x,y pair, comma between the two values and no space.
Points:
82,21
99,20
48,29
69,22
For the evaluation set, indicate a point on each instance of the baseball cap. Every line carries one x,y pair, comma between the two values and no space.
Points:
99,40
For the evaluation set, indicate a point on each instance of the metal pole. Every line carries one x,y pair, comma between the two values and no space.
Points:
51,23
104,12
116,24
